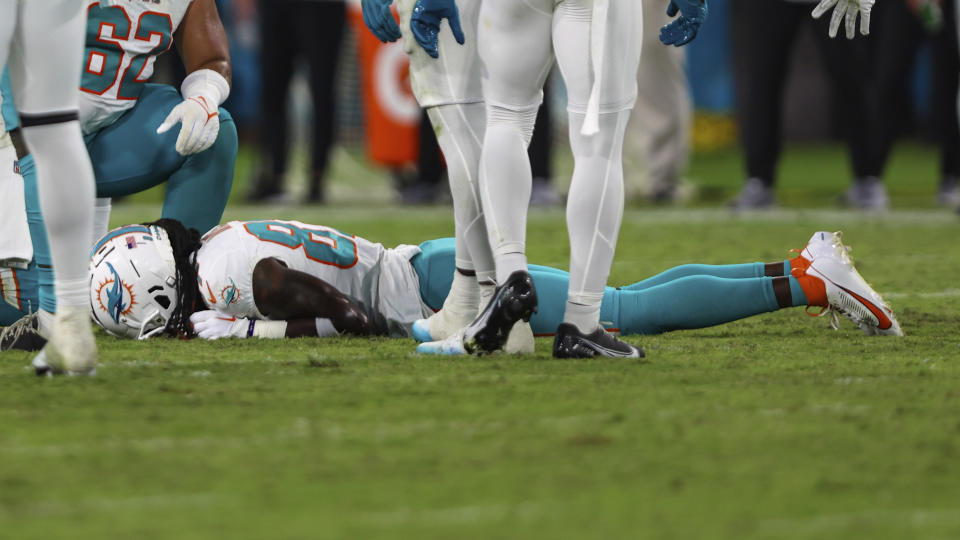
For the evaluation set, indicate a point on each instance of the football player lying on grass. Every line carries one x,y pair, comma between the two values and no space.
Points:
274,278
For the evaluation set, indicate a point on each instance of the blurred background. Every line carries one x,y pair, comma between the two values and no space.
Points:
761,110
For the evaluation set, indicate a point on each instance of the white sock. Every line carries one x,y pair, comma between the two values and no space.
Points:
67,191
45,323
101,218
583,312
594,212
505,184
487,290
459,308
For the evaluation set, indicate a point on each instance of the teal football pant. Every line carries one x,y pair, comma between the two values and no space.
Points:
129,157
684,297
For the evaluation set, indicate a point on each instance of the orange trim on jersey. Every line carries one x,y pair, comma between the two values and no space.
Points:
117,43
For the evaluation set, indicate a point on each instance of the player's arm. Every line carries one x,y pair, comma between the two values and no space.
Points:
202,42
285,294
297,305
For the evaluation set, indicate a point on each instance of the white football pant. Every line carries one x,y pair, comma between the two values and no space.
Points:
518,40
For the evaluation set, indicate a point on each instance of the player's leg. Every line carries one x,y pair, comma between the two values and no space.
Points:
595,201
129,156
460,129
515,51
763,36
47,102
726,271
320,33
946,75
848,67
690,302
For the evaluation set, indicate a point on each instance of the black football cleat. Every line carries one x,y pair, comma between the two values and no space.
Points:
23,335
570,342
516,299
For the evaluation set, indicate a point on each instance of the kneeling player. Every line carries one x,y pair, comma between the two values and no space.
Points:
130,127
276,278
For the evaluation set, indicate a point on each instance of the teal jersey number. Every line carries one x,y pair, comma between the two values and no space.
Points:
107,30
321,244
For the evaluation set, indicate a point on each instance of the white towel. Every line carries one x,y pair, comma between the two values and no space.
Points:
598,37
15,247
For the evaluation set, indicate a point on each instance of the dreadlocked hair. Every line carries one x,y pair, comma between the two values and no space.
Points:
185,242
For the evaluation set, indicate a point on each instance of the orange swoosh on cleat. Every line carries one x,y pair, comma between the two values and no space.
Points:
882,318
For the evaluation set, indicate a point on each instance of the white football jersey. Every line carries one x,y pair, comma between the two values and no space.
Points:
380,280
124,38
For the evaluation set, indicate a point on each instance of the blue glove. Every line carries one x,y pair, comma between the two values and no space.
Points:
379,19
693,13
425,23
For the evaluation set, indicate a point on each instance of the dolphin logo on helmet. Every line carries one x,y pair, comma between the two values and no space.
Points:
115,296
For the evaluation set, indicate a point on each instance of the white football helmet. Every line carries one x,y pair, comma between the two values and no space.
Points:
133,281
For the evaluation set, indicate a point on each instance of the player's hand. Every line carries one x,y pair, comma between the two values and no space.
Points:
425,23
199,125
379,19
211,324
846,9
683,30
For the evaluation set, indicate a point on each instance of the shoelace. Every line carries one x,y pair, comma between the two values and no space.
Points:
12,333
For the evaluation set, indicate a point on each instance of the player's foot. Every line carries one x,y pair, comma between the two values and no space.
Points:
520,341
515,299
949,192
755,195
570,342
71,349
867,194
850,295
444,323
451,346
23,335
821,244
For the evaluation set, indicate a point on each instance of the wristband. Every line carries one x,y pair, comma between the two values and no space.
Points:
268,329
325,328
206,84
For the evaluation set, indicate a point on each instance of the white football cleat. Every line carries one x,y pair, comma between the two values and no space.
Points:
850,295
71,349
452,346
824,243
520,341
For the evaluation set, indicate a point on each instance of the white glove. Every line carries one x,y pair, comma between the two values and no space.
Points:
211,324
846,9
203,91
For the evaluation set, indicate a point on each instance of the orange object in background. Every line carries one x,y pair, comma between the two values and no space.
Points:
391,113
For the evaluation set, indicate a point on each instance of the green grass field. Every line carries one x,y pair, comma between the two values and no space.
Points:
771,427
